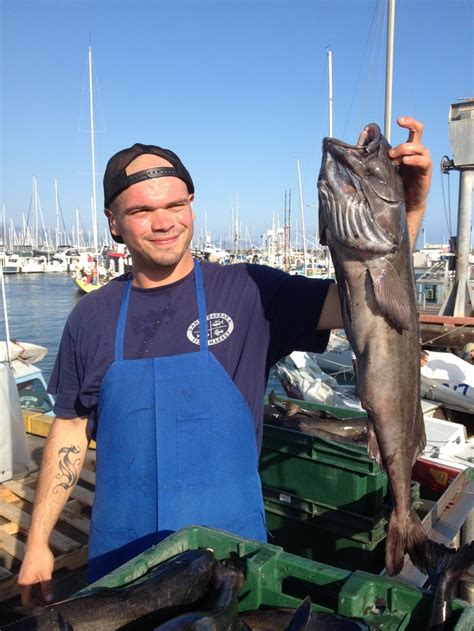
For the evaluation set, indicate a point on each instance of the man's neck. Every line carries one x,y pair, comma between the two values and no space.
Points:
147,278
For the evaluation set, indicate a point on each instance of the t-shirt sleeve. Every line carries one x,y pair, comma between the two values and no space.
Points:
292,305
66,378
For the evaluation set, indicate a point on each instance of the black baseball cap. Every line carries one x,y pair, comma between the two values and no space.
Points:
116,179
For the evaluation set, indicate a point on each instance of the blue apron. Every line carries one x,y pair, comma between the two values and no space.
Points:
176,447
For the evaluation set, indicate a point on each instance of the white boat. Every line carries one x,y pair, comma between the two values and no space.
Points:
28,377
337,357
14,453
17,264
450,380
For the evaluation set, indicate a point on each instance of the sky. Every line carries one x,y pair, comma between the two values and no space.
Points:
239,89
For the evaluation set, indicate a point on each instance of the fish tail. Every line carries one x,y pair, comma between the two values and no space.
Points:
416,540
404,535
445,567
301,618
440,560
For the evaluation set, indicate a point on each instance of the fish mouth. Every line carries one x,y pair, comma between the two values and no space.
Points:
369,137
370,133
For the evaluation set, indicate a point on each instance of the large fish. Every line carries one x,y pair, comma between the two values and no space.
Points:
227,581
362,218
289,415
180,581
276,619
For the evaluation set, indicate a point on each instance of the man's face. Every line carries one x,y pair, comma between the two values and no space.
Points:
154,218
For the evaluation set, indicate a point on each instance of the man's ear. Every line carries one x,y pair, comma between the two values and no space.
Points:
112,222
191,200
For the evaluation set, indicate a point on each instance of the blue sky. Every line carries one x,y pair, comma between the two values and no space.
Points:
237,88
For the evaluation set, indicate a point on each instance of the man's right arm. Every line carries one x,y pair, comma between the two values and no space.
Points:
63,457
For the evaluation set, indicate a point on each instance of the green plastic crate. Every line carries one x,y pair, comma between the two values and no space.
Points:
276,578
325,539
341,522
367,529
324,471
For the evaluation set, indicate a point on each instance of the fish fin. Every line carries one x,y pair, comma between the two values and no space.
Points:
390,295
292,409
451,565
302,616
419,439
436,559
373,445
403,536
416,540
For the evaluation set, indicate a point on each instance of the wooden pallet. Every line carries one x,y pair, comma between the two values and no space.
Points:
68,540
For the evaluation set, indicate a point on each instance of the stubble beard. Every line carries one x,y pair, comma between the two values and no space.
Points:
170,257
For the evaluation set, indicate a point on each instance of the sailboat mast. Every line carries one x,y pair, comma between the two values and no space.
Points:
302,216
389,70
35,214
94,196
330,90
57,211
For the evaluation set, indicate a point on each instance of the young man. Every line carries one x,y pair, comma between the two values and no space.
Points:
177,413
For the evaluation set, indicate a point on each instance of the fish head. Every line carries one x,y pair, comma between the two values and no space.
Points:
360,192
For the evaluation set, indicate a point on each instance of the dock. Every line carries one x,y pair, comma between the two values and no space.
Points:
70,535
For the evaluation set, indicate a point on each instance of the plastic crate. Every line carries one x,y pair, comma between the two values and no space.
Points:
324,471
344,523
326,539
278,579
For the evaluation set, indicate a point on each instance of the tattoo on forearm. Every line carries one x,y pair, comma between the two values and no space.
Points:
68,475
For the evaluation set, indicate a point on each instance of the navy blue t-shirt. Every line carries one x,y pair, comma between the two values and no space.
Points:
256,315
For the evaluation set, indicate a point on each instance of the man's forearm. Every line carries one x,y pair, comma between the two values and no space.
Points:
414,218
63,457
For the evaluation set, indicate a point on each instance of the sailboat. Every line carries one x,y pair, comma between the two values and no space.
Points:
88,277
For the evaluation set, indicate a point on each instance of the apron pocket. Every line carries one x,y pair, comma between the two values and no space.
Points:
194,449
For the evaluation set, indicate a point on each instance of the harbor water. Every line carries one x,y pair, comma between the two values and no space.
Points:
38,306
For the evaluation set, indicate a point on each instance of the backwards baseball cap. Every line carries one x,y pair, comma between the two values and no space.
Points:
116,179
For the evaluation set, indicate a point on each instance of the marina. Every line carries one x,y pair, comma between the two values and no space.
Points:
188,493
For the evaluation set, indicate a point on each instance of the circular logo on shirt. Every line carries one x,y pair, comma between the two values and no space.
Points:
219,327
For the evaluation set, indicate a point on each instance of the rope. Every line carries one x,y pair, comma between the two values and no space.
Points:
448,333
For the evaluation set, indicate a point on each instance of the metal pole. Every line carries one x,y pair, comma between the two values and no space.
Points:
389,70
5,317
302,216
4,229
94,197
463,240
57,211
330,90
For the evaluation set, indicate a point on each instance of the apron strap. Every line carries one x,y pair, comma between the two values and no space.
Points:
201,302
202,313
122,320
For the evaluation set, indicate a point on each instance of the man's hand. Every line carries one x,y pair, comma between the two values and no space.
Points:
34,580
415,169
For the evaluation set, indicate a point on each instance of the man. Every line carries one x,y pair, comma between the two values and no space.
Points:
468,352
424,358
177,414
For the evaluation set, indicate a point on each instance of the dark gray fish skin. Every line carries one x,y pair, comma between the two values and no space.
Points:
300,620
279,619
320,424
450,565
362,219
227,581
184,579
